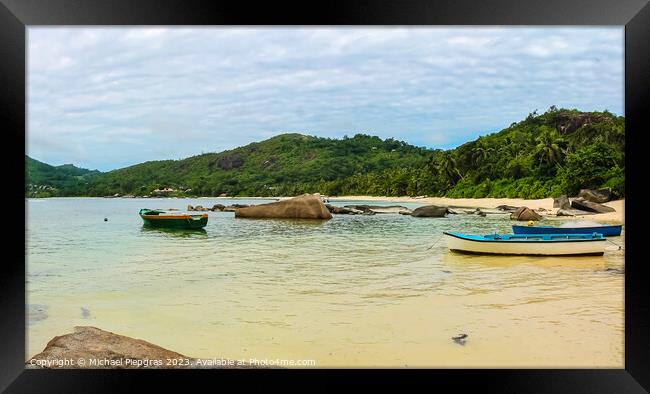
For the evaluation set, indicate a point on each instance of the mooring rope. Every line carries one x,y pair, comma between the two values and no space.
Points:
434,244
614,243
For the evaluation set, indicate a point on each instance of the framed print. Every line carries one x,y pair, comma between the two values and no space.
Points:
432,188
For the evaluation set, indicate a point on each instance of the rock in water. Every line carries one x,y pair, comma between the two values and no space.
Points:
308,206
598,196
525,213
460,339
430,211
582,204
377,208
342,210
101,349
561,202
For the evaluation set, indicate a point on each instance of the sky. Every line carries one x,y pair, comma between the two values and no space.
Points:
106,98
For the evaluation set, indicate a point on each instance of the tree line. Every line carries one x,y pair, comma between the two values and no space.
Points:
545,155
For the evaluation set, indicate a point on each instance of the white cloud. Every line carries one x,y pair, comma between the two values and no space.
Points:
469,41
538,50
145,33
98,96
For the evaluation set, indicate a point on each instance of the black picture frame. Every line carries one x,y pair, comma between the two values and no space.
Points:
17,15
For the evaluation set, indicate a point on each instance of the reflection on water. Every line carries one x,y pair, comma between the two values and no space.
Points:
378,290
173,232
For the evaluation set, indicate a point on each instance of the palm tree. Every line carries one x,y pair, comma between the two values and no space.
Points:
447,165
480,152
432,163
549,148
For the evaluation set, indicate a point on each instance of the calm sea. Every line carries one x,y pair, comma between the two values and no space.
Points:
378,290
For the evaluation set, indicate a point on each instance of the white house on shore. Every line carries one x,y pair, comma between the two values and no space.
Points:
162,192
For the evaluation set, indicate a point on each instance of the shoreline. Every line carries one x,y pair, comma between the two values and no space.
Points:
485,203
491,203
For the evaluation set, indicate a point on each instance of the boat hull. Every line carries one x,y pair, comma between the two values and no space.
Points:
593,247
608,231
181,222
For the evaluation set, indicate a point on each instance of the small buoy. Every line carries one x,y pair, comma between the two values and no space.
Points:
106,219
531,223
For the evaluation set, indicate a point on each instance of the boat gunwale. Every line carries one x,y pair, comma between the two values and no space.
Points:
528,254
558,227
173,217
528,241
613,230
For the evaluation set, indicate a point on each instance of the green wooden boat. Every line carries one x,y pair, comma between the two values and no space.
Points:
158,218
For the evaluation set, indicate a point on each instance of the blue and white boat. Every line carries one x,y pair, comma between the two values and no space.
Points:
523,244
608,231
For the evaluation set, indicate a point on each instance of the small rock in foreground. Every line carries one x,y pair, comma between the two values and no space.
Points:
92,348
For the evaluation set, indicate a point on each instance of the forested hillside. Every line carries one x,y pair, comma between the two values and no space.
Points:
283,165
557,152
44,180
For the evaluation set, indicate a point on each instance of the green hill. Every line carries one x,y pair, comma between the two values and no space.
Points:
44,180
283,165
557,152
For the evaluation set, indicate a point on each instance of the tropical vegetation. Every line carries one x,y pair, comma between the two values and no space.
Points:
545,155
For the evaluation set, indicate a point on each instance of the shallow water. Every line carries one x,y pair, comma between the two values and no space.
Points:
378,290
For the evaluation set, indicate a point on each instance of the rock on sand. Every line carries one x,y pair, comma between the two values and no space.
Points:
91,343
525,213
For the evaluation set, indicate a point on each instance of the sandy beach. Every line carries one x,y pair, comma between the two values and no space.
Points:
545,203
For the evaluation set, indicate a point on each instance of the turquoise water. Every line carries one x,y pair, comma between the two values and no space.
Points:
352,291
